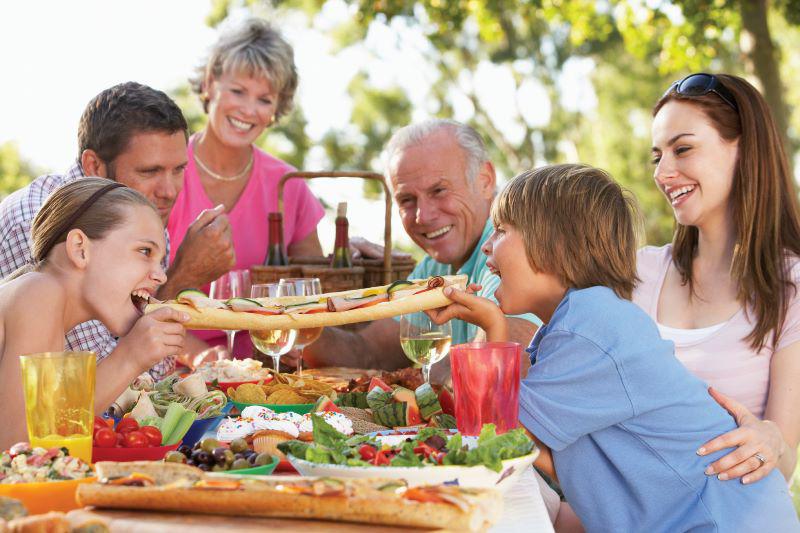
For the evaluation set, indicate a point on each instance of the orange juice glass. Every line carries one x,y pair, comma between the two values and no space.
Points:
59,400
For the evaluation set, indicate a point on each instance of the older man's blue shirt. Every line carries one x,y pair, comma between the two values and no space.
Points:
624,419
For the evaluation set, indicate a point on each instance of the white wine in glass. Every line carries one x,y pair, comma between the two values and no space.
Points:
273,342
304,287
423,341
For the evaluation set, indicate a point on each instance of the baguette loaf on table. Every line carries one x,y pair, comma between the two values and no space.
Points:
205,313
181,488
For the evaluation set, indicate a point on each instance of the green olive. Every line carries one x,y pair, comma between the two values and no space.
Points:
239,464
208,444
175,457
263,459
229,457
218,468
239,445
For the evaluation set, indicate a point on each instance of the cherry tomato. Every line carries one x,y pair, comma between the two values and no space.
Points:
126,425
380,459
120,440
135,439
99,423
366,452
153,435
105,438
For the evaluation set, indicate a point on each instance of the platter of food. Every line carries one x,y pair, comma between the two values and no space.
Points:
430,456
284,393
185,489
184,405
229,373
211,455
296,312
42,479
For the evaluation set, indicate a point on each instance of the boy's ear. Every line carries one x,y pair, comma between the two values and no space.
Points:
78,245
486,180
92,165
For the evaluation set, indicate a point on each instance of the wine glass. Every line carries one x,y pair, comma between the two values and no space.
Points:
273,342
234,284
304,287
423,341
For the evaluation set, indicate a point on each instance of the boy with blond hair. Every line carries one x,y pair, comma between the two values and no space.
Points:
618,417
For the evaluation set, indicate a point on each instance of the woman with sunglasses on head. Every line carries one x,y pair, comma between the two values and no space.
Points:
726,290
97,248
246,85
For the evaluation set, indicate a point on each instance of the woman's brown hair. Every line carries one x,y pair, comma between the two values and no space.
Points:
763,202
577,224
52,223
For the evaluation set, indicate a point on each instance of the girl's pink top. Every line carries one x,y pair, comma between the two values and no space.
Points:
248,218
723,359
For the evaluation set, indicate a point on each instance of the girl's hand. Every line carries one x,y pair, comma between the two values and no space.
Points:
482,312
752,437
156,335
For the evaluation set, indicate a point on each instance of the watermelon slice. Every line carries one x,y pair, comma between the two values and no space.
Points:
326,404
391,415
378,382
377,398
443,421
413,418
447,402
426,400
402,394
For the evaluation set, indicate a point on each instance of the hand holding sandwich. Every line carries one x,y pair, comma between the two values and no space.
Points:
482,312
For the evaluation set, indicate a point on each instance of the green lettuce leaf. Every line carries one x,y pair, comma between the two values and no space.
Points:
407,457
492,449
294,447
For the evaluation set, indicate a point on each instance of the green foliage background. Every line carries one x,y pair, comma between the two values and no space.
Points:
637,49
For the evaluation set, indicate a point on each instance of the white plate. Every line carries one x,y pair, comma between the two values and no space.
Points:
464,476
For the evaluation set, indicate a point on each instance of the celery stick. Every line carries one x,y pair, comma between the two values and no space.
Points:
171,418
183,425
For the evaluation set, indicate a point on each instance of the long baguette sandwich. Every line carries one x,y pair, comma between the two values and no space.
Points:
186,489
297,312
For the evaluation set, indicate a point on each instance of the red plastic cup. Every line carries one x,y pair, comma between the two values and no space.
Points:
486,385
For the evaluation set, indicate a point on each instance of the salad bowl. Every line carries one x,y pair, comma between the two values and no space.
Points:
430,457
464,476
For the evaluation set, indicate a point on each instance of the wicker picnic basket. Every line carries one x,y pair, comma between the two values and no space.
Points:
364,273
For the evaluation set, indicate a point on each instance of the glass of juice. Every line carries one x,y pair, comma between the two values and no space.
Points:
486,385
59,400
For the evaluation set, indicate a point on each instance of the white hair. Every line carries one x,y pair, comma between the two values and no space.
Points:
467,138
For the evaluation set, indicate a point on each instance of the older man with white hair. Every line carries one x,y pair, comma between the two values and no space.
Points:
443,184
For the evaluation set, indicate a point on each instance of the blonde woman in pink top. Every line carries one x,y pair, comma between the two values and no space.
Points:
246,85
725,289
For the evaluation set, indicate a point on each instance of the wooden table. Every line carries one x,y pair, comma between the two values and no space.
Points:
524,510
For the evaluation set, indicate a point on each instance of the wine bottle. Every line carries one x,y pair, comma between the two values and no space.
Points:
276,255
341,247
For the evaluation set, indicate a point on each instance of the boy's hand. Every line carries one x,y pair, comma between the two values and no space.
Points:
482,312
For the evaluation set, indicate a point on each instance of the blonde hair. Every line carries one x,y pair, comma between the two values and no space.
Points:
257,49
576,223
103,215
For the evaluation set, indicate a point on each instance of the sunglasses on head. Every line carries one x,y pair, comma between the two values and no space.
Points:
700,84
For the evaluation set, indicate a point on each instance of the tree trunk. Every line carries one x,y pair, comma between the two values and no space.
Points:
764,59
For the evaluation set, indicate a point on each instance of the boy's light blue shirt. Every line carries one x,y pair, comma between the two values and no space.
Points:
476,269
624,419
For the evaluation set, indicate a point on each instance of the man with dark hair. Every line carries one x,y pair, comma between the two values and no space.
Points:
137,136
